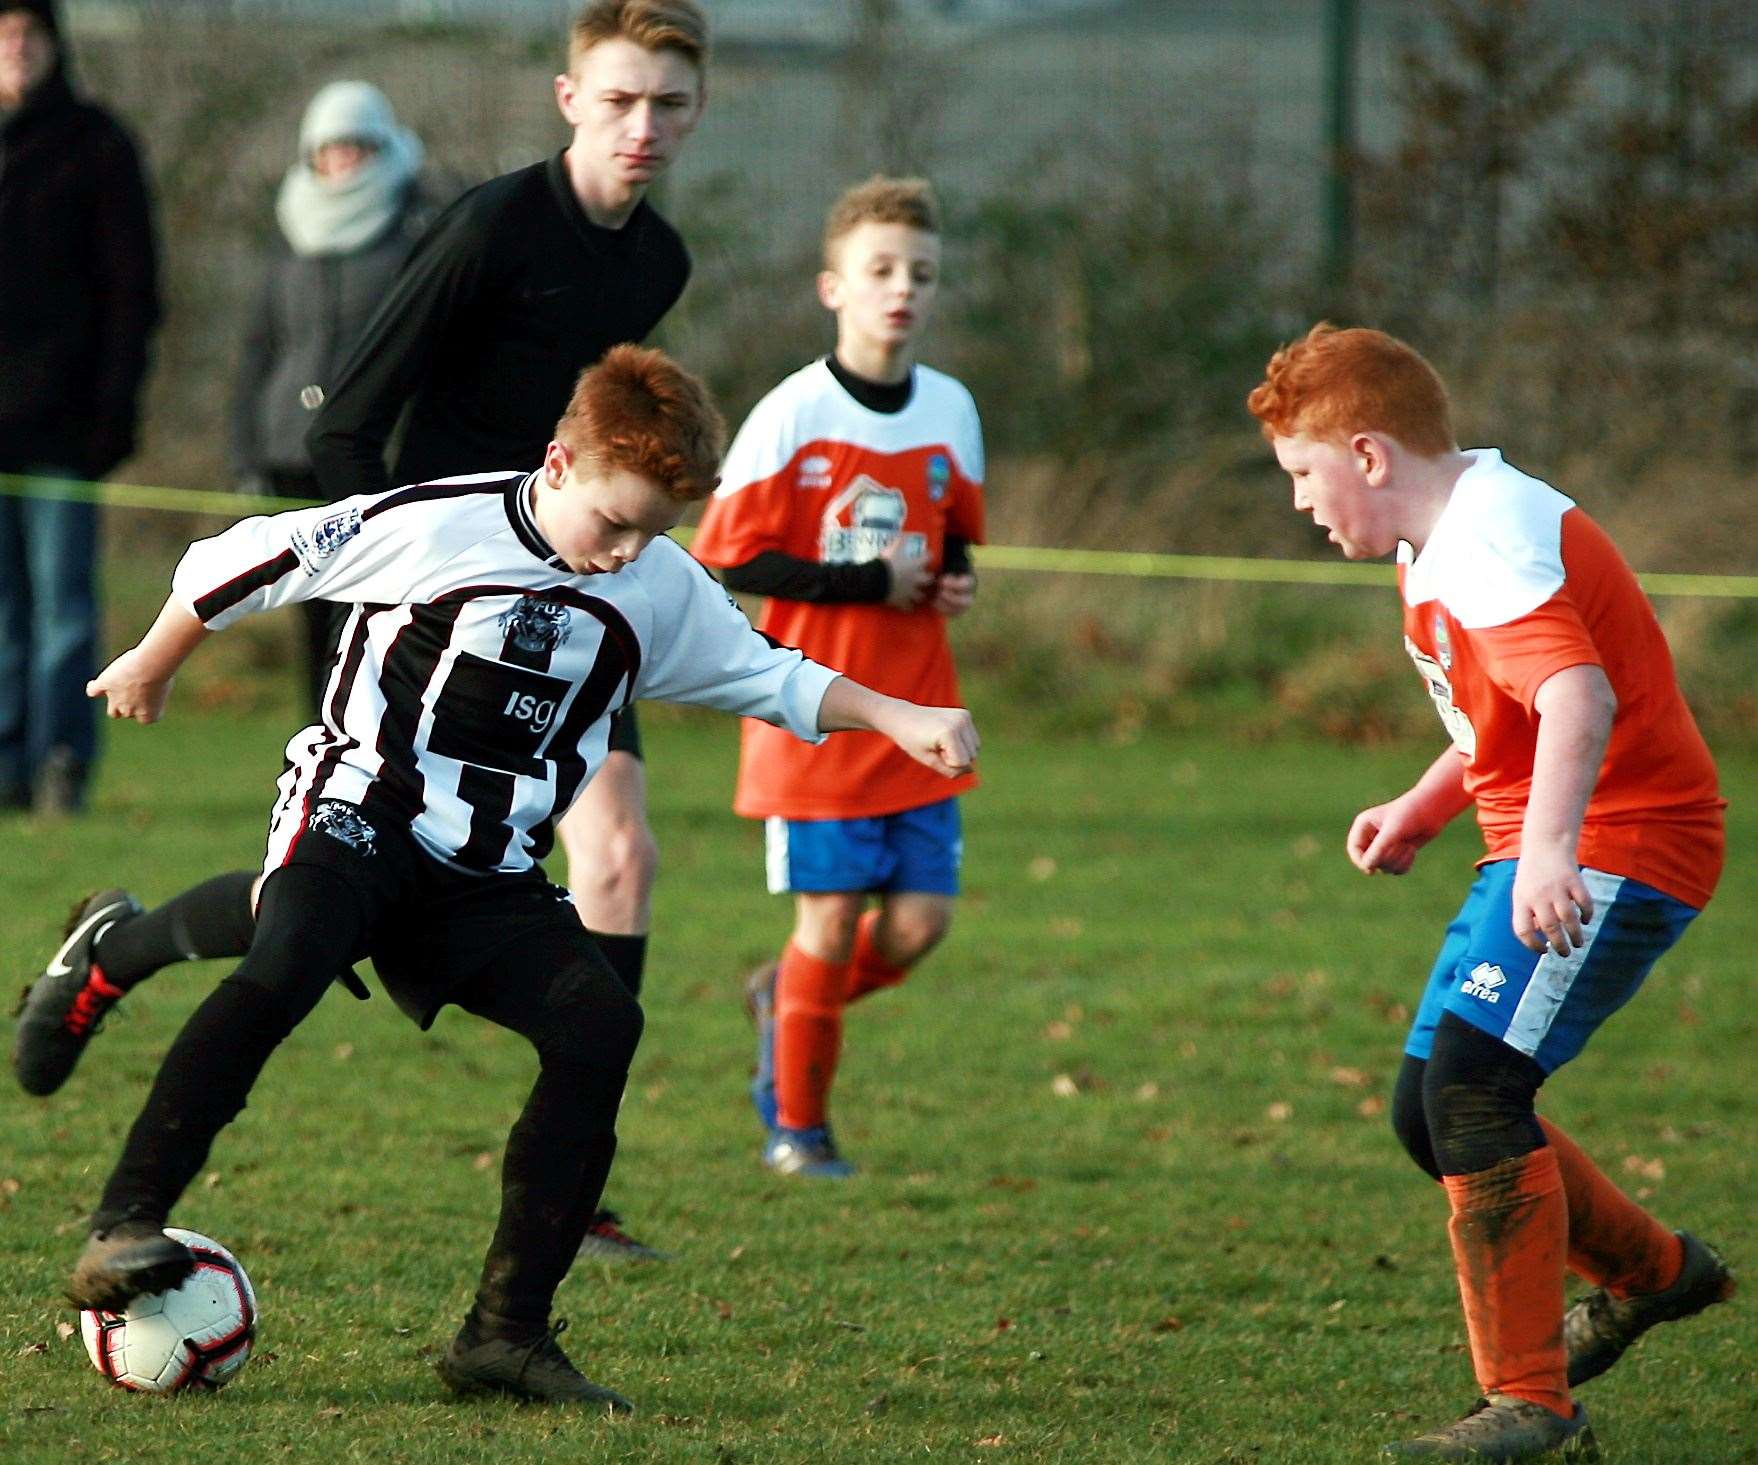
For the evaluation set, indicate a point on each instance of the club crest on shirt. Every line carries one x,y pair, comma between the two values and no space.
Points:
536,625
343,822
329,536
939,475
861,522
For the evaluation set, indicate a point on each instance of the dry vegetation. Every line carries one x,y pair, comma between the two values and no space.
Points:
1577,256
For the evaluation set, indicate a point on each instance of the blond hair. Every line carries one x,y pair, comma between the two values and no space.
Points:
653,25
881,200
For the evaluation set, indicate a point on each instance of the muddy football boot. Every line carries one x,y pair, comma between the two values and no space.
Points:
533,1369
1599,1327
62,1009
1501,1427
124,1261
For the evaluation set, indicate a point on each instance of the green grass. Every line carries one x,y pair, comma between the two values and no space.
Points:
1211,1250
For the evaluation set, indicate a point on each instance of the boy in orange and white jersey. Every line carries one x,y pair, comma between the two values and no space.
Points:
1603,825
850,498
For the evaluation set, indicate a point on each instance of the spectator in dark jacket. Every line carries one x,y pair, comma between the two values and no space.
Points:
349,209
78,305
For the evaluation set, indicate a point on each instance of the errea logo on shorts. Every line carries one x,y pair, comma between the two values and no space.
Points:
1485,981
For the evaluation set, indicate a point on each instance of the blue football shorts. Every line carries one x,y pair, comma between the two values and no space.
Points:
1541,1004
918,850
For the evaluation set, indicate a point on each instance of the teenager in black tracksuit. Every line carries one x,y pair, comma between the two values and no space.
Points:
471,359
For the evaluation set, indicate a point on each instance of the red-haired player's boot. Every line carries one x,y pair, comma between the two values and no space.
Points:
1643,1273
1510,1235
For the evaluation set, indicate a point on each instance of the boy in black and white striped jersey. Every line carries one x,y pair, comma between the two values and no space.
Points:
499,624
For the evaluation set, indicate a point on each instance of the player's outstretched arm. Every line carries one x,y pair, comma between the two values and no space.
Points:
1575,708
1386,837
138,682
944,738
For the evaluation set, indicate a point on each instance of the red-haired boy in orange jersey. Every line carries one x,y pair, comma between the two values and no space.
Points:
849,498
1603,826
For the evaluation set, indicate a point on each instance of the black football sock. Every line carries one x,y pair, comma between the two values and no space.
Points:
207,920
627,956
311,927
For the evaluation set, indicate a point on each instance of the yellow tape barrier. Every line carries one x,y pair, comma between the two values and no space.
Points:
1131,564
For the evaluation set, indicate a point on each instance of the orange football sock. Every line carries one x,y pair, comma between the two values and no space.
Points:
868,970
809,997
1510,1233
1613,1242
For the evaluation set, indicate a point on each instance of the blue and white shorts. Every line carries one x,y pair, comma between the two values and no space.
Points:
918,850
1541,1004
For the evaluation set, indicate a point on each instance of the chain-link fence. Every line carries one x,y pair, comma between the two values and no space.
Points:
1558,202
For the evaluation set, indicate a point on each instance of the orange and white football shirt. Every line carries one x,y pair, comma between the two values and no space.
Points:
1515,584
814,474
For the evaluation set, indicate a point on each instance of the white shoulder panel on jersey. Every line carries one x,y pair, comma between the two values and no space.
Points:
1496,551
811,406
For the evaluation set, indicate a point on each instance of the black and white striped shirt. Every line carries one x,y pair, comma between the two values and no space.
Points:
478,676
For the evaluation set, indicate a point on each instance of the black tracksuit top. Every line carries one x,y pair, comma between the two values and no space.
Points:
500,306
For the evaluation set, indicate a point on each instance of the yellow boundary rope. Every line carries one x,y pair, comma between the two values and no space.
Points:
1130,564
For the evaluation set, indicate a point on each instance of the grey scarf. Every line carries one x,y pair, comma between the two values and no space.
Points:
321,217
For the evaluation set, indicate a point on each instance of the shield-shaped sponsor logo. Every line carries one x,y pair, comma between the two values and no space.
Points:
1443,645
334,532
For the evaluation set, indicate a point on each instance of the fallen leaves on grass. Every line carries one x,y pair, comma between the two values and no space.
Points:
64,1331
1169,1325
1279,1112
1647,1169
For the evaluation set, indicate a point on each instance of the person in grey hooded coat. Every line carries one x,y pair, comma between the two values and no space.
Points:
348,210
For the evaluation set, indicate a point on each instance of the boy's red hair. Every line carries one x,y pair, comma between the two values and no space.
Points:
653,25
638,410
1331,383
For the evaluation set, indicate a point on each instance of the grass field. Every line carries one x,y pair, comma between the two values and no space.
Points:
1127,1194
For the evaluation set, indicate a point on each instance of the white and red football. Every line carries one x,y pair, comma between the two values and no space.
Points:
196,1336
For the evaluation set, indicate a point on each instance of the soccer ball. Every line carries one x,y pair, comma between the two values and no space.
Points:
196,1336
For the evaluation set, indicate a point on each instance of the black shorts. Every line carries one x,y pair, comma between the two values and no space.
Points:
432,929
625,733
